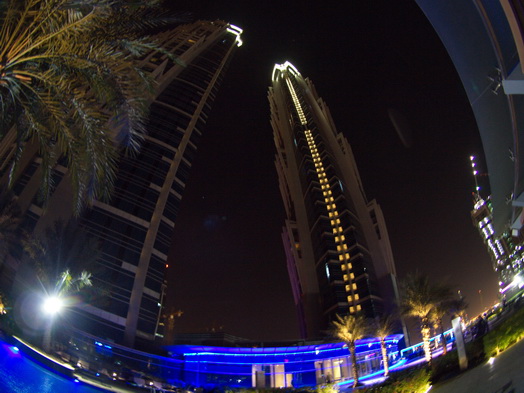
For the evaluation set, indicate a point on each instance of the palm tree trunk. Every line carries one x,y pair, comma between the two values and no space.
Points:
384,356
443,340
425,330
354,367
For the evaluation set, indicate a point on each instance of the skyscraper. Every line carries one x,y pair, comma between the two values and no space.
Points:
136,226
338,253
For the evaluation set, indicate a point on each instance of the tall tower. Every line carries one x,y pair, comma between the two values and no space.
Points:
135,228
338,253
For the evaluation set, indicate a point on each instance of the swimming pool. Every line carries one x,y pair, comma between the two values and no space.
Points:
19,374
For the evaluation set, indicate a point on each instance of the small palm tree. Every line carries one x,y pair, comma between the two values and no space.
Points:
61,259
443,308
384,326
349,329
419,299
436,316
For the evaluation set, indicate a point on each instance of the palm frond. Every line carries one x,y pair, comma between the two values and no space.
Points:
67,68
350,328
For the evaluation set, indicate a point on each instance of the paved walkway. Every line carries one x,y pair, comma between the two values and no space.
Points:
505,375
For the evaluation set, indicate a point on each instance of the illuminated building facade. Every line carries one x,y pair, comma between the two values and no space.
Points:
338,253
220,367
135,228
282,367
505,250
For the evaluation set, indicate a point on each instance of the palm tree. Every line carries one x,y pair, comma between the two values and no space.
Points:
68,75
436,316
61,259
419,299
443,308
384,326
349,329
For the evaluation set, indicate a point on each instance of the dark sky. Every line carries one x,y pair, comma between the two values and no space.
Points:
227,265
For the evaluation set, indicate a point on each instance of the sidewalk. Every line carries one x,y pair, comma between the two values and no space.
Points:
503,376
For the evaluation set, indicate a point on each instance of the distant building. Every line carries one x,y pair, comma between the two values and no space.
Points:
506,251
485,41
135,228
338,252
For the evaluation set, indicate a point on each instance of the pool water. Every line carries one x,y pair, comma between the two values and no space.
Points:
19,374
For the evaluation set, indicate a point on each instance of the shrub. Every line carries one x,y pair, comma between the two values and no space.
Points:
444,366
475,352
320,389
506,334
327,388
411,381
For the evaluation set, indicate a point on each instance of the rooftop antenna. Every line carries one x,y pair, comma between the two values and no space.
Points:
475,174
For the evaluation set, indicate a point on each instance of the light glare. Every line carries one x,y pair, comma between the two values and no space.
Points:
52,305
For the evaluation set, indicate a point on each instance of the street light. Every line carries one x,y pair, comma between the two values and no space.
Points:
52,305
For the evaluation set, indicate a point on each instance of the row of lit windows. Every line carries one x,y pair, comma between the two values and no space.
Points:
335,222
300,112
342,247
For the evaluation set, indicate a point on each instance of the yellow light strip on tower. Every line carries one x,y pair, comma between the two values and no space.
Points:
330,201
331,206
293,93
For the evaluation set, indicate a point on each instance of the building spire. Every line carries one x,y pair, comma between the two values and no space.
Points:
475,174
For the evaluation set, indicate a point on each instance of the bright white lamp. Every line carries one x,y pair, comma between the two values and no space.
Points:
52,305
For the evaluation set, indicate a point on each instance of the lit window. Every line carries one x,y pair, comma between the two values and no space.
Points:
358,307
350,299
352,309
345,277
347,256
354,286
339,248
352,275
343,267
356,296
336,238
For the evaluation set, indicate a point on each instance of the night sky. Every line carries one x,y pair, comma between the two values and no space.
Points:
366,58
